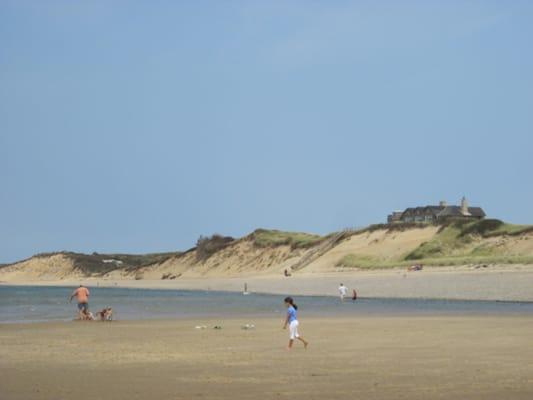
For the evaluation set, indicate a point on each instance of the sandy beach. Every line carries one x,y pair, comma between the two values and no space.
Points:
181,178
502,283
368,358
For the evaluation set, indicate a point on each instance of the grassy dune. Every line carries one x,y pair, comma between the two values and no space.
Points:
456,243
272,238
94,263
377,246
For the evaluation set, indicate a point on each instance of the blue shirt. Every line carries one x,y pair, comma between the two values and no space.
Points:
291,312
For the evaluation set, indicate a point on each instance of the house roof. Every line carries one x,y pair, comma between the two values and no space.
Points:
476,212
443,211
422,210
455,211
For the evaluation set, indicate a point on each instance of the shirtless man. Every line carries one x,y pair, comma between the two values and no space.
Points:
82,295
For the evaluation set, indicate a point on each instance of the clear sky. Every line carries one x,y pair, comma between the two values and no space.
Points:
136,126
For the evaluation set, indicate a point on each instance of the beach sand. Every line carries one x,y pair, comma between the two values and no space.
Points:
364,358
505,283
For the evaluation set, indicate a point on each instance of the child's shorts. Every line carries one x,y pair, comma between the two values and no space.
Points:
293,330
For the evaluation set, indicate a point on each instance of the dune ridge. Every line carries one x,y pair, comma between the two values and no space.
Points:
267,252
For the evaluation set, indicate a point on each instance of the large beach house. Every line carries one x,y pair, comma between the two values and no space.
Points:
432,214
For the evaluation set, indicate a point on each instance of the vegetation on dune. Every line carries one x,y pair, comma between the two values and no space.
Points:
455,244
100,264
482,228
394,227
206,246
510,230
366,262
453,239
487,228
445,242
273,238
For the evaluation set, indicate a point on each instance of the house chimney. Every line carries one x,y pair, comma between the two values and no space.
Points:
464,206
443,203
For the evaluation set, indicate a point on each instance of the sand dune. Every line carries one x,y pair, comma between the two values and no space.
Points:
247,257
54,267
381,243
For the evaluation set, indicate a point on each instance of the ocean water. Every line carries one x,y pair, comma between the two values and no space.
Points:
37,304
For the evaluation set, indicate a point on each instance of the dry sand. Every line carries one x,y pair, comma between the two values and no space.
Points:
493,283
364,358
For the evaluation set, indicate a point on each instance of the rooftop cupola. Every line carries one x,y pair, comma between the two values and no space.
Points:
464,206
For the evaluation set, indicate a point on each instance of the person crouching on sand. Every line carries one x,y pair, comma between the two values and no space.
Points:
292,321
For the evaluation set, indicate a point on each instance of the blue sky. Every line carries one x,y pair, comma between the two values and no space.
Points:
137,126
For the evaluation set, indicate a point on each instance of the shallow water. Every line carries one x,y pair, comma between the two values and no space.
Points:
37,303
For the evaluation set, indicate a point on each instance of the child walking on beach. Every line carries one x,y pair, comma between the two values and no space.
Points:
292,321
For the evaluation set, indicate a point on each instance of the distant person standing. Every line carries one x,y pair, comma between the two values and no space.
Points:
82,296
343,291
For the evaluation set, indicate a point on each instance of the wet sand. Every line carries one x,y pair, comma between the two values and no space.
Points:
364,358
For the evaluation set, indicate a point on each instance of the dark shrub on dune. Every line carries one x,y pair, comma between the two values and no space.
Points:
207,246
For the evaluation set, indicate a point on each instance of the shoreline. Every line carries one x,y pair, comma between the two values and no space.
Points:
496,283
229,291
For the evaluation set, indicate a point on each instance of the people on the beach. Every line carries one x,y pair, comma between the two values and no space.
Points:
292,322
82,296
287,273
343,291
354,295
416,267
